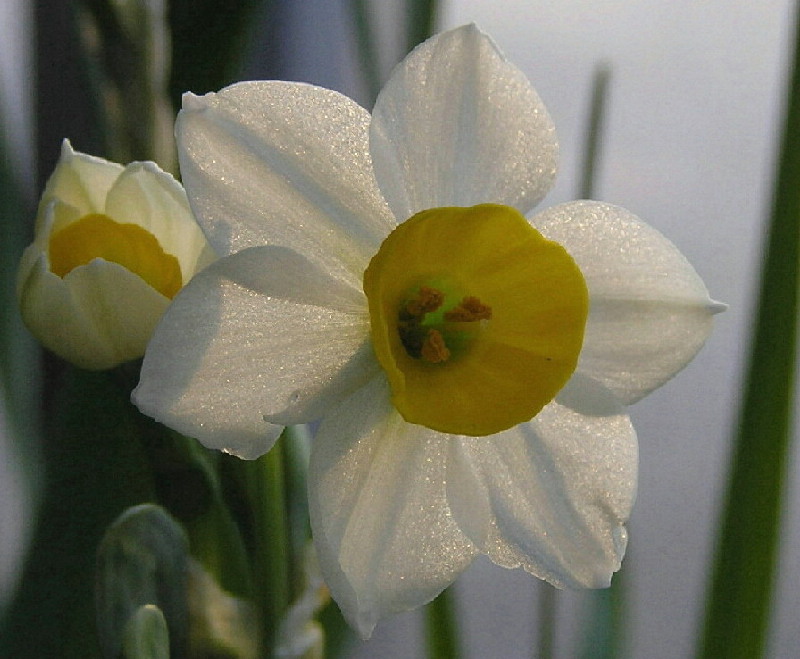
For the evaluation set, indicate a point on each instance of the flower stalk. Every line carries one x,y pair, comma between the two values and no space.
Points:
441,627
271,552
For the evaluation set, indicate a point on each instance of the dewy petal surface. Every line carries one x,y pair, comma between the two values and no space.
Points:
459,125
649,310
378,496
262,332
560,489
284,164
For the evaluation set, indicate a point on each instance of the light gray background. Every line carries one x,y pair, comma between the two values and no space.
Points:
694,109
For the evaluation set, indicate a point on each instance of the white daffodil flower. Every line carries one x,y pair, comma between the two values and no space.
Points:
470,368
112,246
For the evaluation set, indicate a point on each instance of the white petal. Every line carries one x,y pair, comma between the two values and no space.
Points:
458,125
650,311
96,317
285,164
145,195
384,534
560,488
80,180
262,332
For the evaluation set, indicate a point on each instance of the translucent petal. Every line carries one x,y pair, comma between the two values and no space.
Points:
649,310
458,125
285,164
386,539
560,489
260,333
79,180
145,195
80,316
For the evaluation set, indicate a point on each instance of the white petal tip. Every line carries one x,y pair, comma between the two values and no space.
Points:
66,148
364,625
249,453
717,307
193,103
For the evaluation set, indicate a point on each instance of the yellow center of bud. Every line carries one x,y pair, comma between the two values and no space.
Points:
129,245
476,318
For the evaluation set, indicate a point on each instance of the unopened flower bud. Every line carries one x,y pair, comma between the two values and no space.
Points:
112,246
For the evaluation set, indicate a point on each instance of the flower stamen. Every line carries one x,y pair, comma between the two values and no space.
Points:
428,299
470,310
427,338
434,349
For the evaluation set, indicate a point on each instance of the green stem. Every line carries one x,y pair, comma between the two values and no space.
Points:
546,640
296,453
441,628
602,637
738,609
266,490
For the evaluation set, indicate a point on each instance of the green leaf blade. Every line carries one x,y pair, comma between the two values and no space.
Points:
740,595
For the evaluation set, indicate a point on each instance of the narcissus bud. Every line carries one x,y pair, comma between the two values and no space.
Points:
112,246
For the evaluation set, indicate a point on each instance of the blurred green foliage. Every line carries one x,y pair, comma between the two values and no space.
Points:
742,586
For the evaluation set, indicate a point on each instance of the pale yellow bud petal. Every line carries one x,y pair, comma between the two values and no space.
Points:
112,247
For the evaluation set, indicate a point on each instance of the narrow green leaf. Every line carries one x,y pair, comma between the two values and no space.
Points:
127,55
421,22
441,629
209,40
604,612
338,634
367,52
740,593
19,355
20,383
594,130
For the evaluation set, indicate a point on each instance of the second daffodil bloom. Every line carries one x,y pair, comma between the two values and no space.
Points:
112,246
470,368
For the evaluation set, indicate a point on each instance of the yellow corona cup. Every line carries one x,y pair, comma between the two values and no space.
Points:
476,318
112,246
